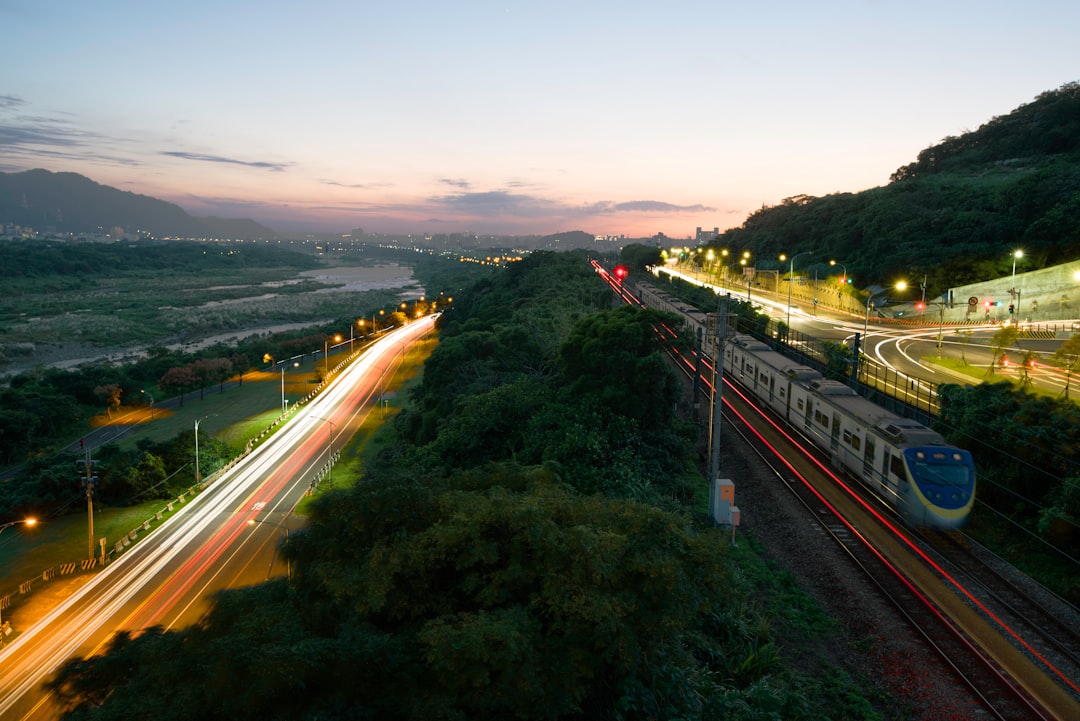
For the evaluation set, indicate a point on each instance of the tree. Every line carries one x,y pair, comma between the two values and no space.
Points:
179,380
109,394
494,594
838,358
1003,338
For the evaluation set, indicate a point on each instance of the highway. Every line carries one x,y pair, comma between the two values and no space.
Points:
210,543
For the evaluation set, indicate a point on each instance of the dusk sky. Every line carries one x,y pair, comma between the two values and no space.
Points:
512,117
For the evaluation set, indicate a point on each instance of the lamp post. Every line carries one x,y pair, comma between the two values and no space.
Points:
3,527
9,524
743,262
326,352
143,392
284,406
791,279
1015,291
197,422
288,561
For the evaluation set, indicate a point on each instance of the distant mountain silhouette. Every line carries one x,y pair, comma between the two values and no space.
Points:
72,203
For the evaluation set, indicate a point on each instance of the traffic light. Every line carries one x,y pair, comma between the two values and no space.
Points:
920,307
621,271
987,304
1011,306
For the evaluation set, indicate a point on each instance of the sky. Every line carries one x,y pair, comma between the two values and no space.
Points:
515,117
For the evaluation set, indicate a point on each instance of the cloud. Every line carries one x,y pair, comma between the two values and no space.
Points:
457,183
276,167
498,203
11,101
648,206
503,203
345,185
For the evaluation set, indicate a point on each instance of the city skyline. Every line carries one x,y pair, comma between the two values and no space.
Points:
509,118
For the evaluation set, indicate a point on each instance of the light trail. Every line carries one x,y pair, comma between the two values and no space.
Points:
173,567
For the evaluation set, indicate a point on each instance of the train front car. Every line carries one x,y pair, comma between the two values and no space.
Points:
941,486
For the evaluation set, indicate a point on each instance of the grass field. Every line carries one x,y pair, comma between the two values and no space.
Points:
235,416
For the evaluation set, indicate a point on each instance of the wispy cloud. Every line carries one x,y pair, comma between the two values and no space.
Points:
202,157
648,206
456,183
503,203
337,184
11,101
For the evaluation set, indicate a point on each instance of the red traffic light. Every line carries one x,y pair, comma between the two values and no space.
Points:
621,271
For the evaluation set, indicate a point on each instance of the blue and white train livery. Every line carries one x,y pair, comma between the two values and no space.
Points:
906,463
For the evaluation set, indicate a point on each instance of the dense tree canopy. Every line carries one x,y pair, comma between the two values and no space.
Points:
954,215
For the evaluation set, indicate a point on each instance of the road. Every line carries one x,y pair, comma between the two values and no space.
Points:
208,544
902,348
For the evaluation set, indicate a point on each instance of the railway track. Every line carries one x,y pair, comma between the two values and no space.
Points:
886,566
1046,626
959,618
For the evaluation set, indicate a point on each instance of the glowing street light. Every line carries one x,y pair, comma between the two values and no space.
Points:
1017,254
326,352
284,404
791,279
26,521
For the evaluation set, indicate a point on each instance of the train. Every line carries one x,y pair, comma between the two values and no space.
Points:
929,482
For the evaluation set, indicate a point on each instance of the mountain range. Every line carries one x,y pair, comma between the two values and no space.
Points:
72,203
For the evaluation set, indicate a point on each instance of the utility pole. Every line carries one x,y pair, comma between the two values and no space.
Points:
89,480
716,414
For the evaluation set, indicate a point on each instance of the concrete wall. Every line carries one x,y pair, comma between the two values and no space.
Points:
1047,294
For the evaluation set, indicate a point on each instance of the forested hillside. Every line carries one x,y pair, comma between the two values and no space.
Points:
954,215
72,203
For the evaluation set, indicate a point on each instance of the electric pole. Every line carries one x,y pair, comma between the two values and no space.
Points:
89,480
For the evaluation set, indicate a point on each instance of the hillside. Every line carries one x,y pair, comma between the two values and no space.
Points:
954,215
72,203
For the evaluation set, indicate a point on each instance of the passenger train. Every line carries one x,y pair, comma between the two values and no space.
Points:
909,465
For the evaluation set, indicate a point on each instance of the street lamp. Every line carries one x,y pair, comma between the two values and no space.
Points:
9,524
743,262
326,353
197,422
791,279
288,561
843,278
143,392
285,407
1015,291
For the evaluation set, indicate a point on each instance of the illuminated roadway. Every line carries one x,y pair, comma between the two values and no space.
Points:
900,347
208,544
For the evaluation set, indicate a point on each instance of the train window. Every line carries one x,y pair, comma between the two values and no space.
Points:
852,440
801,401
896,466
822,418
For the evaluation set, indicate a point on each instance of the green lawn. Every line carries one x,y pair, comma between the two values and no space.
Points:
978,374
